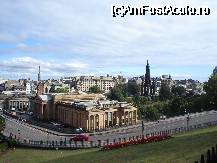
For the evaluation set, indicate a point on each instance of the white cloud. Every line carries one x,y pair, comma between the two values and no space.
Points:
28,66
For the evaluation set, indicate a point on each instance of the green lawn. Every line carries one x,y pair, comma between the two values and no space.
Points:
183,148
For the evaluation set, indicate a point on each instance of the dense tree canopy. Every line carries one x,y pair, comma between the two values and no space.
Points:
61,90
52,89
94,89
211,90
164,93
178,91
172,102
2,123
133,88
118,93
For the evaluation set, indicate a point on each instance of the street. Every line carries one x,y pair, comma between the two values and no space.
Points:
24,131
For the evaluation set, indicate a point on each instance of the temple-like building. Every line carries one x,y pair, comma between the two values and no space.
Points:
90,112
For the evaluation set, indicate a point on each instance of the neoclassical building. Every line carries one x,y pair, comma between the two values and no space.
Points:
43,108
91,116
89,111
19,103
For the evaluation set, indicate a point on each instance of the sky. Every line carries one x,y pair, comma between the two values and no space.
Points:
68,38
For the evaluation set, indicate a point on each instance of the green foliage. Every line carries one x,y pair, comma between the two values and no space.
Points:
178,91
61,90
118,93
151,113
2,123
172,102
149,110
3,146
215,71
177,106
58,90
12,143
94,89
52,89
133,88
164,93
140,100
211,91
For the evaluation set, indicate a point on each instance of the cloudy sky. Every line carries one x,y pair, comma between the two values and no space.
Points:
71,38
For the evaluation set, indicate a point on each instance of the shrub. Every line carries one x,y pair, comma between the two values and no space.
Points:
12,143
3,146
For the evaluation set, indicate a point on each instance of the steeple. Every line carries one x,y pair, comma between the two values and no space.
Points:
39,74
148,71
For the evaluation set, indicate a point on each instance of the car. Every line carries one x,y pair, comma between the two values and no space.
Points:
57,124
24,120
163,117
80,138
30,113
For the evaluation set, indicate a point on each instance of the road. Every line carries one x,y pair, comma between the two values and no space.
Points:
24,131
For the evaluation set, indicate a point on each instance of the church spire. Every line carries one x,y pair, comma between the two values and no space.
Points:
39,74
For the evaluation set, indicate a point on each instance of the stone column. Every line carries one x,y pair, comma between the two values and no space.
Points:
125,118
88,120
117,119
112,117
21,105
94,123
103,121
108,119
132,117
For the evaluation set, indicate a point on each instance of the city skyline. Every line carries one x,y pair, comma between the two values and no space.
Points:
72,38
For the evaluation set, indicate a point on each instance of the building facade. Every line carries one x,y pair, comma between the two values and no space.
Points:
18,103
104,83
88,112
90,116
43,107
166,80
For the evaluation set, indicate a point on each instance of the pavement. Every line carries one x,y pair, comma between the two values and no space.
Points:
25,131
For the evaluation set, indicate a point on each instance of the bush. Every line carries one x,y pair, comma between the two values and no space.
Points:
3,146
12,143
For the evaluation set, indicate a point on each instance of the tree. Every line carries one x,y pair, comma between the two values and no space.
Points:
61,90
94,89
52,88
118,93
215,70
164,93
177,106
151,113
2,123
133,88
211,91
178,91
140,100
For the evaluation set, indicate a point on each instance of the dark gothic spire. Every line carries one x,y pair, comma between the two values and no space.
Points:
148,71
39,74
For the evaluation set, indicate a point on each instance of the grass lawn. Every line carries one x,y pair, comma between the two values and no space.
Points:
183,148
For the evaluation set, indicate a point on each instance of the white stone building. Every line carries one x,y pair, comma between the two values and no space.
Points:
85,82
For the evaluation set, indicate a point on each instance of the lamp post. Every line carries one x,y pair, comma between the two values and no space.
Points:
142,126
47,137
188,117
18,134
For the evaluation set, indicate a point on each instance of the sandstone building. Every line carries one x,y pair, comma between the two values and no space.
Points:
89,112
